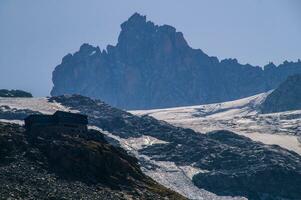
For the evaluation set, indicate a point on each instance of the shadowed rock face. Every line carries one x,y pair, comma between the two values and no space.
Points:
234,165
153,67
59,164
284,98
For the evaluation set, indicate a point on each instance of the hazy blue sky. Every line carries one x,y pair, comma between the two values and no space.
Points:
36,34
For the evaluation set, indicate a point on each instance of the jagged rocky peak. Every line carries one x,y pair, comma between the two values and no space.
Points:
270,66
88,50
138,31
84,51
153,66
135,28
136,20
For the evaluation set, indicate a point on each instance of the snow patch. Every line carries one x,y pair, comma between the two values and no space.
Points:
142,142
132,144
190,171
178,178
92,53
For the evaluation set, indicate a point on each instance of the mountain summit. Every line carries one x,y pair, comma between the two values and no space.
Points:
153,67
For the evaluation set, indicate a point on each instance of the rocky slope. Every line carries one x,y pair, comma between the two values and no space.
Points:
62,165
14,93
284,98
153,67
199,166
221,156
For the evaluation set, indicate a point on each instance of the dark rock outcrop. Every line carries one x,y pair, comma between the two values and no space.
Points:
236,165
48,164
284,98
153,67
14,93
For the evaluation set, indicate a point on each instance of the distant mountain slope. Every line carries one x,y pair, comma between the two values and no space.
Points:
284,98
153,67
14,93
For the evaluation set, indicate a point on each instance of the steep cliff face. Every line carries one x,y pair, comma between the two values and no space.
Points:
153,67
286,97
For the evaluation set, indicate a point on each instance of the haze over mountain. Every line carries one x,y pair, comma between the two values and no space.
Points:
153,67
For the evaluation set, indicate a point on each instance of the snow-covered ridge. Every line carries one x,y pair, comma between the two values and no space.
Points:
240,116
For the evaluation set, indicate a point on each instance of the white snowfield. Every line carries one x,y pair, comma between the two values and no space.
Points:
240,116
